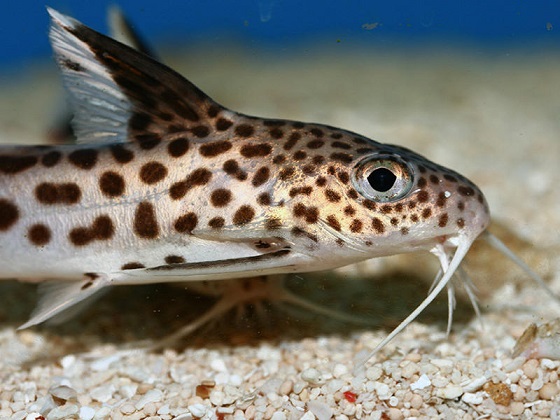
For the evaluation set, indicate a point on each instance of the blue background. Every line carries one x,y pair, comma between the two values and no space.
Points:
283,24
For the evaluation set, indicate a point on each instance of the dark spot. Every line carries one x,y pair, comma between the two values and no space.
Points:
132,266
145,221
321,181
292,140
352,194
306,190
51,159
332,196
370,205
299,155
273,223
199,177
213,111
216,222
178,147
231,167
422,169
356,226
256,150
441,199
412,204
386,209
39,234
200,131
423,196
152,172
421,182
49,193
333,222
331,170
276,133
443,219
215,148
222,124
394,221
83,158
344,177
349,211
279,159
309,170
399,207
461,205
243,215
317,132
310,214
461,222
315,144
298,124
414,218
261,176
264,199
71,65
336,136
426,213
174,259
186,223
286,173
341,145
450,178
466,191
318,160
364,150
121,154
377,225
434,179
404,231
101,229
244,130
111,184
220,197
16,164
148,141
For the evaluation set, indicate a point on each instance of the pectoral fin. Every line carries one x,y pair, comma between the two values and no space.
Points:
58,296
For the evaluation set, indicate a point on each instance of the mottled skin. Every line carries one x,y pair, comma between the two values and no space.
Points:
170,186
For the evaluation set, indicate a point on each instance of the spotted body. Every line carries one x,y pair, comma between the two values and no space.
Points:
167,185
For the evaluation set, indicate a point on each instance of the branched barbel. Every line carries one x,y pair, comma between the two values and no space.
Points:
167,185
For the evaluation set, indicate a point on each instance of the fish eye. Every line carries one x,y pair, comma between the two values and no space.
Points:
382,178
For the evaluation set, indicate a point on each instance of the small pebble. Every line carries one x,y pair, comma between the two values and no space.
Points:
549,391
86,413
421,383
197,410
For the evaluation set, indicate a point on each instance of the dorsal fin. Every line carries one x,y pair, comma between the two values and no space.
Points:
121,30
119,94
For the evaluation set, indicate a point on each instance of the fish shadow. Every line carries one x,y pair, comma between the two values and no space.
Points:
149,313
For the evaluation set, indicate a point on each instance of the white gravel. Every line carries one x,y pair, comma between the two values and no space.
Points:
492,117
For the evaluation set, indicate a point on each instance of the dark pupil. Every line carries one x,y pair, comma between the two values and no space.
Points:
382,179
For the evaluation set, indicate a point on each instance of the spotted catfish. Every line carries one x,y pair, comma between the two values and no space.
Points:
166,185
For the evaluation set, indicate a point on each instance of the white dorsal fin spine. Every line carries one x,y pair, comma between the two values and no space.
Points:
101,110
117,92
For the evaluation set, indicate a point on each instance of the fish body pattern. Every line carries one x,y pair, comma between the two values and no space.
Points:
167,185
